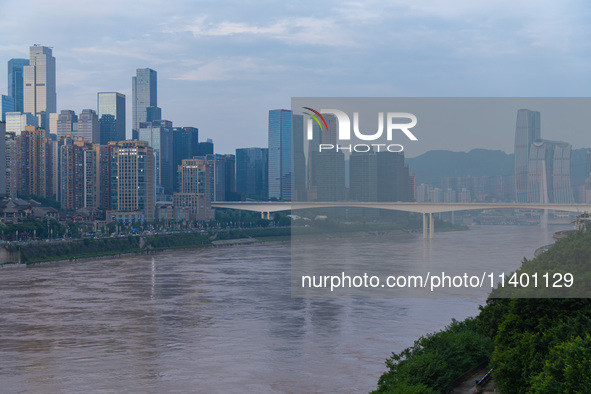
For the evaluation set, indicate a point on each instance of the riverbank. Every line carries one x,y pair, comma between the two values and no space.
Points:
89,249
96,248
554,321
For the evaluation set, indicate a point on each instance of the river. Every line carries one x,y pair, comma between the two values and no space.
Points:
221,320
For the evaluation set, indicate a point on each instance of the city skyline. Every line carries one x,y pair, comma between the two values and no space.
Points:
256,58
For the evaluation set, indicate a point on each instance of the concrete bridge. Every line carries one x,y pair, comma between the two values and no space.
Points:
427,209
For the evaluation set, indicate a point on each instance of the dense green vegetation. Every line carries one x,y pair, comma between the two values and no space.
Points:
37,252
33,229
90,247
436,360
536,345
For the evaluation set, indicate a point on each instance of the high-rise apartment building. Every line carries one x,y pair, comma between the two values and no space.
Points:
88,126
77,169
132,181
104,154
12,163
145,99
194,194
40,98
2,158
527,130
111,114
15,82
35,161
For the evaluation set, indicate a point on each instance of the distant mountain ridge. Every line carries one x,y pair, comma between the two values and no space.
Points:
432,166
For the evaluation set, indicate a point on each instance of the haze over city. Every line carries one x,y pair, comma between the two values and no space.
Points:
222,67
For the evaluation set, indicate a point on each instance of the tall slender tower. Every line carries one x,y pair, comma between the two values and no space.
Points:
527,130
145,99
40,98
280,121
15,82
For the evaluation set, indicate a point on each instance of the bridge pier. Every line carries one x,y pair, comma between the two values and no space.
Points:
428,225
544,218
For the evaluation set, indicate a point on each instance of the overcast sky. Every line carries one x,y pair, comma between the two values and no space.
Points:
223,65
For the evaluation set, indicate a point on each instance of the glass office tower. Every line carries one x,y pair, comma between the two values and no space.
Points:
111,113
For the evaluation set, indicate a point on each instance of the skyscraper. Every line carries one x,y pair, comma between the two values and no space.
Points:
298,159
132,181
40,97
393,177
185,141
111,114
16,122
158,135
217,177
88,126
549,173
6,105
363,177
326,170
104,154
3,151
12,165
527,130
280,121
205,148
230,178
67,123
77,169
35,165
194,193
15,82
252,171
145,99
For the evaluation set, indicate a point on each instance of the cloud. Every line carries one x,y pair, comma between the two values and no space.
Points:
228,68
298,30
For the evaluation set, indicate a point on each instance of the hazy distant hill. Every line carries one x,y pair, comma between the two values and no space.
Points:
431,166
